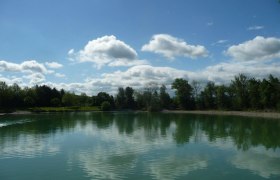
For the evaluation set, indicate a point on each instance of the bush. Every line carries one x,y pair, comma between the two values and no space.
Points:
55,102
105,106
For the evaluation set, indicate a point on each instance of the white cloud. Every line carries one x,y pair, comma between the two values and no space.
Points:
258,163
219,42
225,72
253,28
170,47
142,75
222,41
11,80
54,65
35,78
259,48
181,166
31,71
26,66
33,66
106,50
28,146
7,66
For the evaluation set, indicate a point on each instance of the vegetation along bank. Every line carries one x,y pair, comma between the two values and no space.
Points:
242,94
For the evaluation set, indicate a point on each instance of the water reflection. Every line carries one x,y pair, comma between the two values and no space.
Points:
158,146
174,166
260,161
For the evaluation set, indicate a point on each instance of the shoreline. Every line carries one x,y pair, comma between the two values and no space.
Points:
272,115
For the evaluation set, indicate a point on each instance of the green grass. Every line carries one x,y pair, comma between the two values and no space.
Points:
65,109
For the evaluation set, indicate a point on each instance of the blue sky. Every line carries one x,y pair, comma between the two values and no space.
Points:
99,45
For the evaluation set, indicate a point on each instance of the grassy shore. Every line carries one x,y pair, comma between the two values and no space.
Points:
273,115
65,109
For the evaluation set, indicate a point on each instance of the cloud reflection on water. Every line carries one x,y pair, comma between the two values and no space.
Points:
117,154
28,146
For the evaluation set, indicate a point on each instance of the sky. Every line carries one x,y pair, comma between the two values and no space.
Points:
99,45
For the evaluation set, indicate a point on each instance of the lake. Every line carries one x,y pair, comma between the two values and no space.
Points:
122,145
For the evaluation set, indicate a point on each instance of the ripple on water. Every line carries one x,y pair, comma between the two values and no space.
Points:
172,166
101,164
9,123
28,146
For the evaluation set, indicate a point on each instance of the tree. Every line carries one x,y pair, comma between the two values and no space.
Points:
254,93
43,95
148,99
105,106
83,99
120,98
165,100
196,88
129,99
5,95
222,97
270,92
55,102
16,96
69,99
101,97
240,88
209,97
183,93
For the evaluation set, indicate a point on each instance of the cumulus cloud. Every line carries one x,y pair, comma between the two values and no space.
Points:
26,66
142,75
35,78
170,47
253,28
11,80
258,49
53,65
31,71
106,50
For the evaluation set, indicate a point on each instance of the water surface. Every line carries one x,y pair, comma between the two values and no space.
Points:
138,146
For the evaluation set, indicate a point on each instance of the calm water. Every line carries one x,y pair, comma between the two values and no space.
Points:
138,146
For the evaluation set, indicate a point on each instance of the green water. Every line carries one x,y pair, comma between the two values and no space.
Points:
138,146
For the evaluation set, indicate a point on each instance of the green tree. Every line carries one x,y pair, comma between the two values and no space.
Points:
210,96
101,97
105,106
129,99
270,92
240,89
148,99
5,96
196,93
55,102
120,98
69,99
222,97
165,100
183,93
254,93
84,99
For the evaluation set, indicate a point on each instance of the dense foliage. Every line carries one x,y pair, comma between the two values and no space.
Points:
242,93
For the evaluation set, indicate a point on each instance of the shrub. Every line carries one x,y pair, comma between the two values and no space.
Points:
105,106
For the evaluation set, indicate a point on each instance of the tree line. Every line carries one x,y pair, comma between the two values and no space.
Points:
242,93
